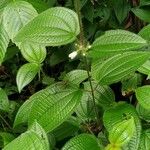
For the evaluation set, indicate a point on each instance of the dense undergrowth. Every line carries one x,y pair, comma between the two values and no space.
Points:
74,75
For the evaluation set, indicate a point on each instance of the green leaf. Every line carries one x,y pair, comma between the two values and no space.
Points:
33,52
142,13
4,3
39,5
66,129
118,67
88,11
144,2
145,68
104,95
30,140
143,96
4,102
16,15
52,110
116,41
104,98
118,114
76,76
41,133
26,74
6,137
122,13
4,41
112,147
54,27
85,109
82,142
122,132
143,113
129,85
23,113
145,140
11,52
145,33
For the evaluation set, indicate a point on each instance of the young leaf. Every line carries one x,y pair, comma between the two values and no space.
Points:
41,133
16,15
26,74
122,132
145,140
4,41
53,110
117,114
143,96
33,52
76,76
4,102
118,67
82,142
54,27
112,147
116,41
31,139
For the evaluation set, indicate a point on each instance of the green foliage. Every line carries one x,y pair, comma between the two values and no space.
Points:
145,32
26,74
143,113
57,107
16,15
116,41
48,103
4,41
118,67
118,114
49,30
143,14
122,132
93,64
4,102
142,94
83,141
145,138
33,52
35,138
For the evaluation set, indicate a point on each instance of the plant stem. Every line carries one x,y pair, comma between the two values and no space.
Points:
82,41
77,5
92,91
5,122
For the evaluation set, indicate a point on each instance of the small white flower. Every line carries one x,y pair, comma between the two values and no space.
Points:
73,55
84,54
89,46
